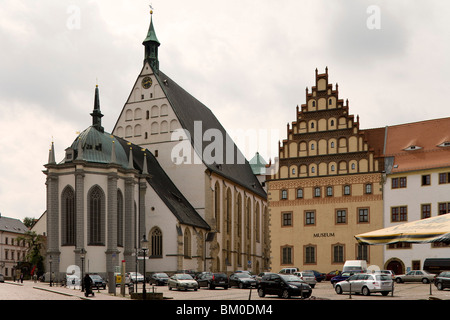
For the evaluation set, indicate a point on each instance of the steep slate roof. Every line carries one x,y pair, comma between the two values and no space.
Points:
12,225
164,187
188,110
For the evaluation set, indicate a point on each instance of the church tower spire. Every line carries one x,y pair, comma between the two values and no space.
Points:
97,114
151,45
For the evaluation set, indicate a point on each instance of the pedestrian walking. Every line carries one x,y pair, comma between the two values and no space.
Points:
87,281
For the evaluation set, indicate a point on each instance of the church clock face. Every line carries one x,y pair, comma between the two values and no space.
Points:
146,82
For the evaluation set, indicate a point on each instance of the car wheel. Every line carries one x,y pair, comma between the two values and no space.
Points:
365,291
425,280
440,286
170,288
241,285
385,293
338,289
312,285
261,293
285,294
211,286
398,280
306,295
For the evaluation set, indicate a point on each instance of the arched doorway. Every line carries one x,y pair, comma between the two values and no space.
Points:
396,266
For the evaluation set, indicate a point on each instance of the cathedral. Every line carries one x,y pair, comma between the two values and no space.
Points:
160,176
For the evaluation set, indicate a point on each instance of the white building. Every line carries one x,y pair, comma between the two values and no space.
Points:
417,186
197,201
13,248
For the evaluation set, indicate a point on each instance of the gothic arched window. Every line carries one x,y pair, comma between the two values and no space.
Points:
68,219
96,216
187,243
119,218
156,242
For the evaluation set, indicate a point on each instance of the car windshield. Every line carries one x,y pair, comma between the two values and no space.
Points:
242,275
382,277
161,275
308,274
290,278
95,276
184,277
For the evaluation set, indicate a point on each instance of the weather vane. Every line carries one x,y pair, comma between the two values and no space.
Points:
151,8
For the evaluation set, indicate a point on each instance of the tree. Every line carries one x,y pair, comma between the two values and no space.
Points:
36,244
29,222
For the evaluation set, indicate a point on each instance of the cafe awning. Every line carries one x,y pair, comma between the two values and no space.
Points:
435,229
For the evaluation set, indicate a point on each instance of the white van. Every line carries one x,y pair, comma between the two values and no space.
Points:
288,270
355,265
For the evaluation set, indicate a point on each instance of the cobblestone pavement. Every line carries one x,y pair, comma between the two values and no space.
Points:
29,290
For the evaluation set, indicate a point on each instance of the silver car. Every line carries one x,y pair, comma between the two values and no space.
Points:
415,276
182,281
366,284
308,277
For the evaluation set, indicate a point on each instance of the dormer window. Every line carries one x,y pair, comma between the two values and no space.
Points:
69,155
444,144
412,148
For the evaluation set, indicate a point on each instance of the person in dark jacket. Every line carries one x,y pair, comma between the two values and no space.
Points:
87,281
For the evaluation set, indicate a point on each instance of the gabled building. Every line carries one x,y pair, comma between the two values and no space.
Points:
328,187
417,186
158,174
13,248
105,196
202,160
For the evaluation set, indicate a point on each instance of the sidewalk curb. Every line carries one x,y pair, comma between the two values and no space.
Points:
58,292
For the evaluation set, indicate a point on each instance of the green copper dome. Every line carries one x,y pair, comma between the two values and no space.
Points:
95,146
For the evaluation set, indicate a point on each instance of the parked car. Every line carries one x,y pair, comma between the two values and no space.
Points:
160,279
97,281
319,275
213,280
118,278
343,276
366,284
135,277
2,278
332,274
415,276
355,265
288,270
388,272
73,280
242,280
283,285
260,275
182,281
442,280
308,277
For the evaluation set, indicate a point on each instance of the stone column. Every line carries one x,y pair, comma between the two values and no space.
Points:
130,225
79,212
53,223
111,247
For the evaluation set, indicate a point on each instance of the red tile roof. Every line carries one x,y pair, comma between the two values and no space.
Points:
419,145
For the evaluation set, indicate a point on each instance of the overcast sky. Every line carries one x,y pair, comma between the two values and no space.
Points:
249,61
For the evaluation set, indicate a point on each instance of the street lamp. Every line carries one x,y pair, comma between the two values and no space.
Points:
82,256
50,260
144,246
